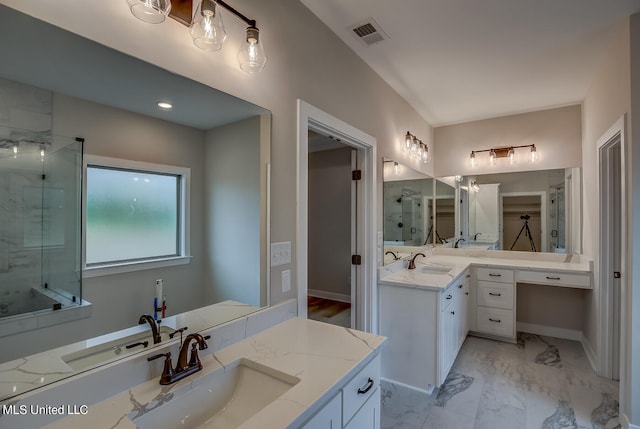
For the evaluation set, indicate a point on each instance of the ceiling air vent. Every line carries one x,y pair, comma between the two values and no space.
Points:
369,32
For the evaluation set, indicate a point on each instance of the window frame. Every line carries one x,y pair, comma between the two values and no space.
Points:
184,227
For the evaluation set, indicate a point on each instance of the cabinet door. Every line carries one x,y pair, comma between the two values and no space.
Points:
329,417
368,417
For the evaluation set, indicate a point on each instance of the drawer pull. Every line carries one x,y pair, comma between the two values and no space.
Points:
366,388
495,275
495,294
449,296
468,276
553,278
495,320
466,293
453,312
459,286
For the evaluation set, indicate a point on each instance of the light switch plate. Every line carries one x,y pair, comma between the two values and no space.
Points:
280,253
286,281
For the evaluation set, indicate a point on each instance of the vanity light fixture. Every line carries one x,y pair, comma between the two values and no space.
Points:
418,149
508,152
205,26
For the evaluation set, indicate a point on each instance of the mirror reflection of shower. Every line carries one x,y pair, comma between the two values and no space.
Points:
40,184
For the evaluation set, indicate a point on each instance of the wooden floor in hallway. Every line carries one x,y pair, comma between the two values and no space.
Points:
329,311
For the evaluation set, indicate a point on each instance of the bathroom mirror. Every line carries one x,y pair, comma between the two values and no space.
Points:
524,211
407,209
93,87
445,210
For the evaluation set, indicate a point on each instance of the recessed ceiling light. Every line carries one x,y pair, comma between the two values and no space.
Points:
165,105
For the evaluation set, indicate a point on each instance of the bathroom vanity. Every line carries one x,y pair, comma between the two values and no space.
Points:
427,312
297,374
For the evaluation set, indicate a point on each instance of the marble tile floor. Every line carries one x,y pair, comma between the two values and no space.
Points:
540,383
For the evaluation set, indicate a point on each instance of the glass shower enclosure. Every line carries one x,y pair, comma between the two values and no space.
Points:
40,234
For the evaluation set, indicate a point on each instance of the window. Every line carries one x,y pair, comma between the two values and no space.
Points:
135,214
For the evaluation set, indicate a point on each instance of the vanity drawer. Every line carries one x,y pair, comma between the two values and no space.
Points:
494,275
495,321
492,294
359,389
582,281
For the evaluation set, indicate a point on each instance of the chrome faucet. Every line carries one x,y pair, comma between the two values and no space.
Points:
412,262
458,242
154,327
183,368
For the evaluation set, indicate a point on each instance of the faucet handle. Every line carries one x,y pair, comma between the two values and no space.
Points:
194,360
167,371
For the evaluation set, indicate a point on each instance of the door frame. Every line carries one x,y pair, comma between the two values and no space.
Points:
310,117
607,306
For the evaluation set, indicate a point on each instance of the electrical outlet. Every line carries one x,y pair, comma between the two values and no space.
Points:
280,253
286,281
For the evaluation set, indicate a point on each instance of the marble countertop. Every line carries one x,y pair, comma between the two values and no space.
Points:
321,356
22,375
458,260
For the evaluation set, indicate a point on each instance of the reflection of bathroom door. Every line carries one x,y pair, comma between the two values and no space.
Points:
612,252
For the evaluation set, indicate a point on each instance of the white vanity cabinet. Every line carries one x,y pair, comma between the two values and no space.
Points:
495,299
355,406
329,417
425,330
454,322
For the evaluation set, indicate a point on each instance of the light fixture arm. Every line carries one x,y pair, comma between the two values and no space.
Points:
250,22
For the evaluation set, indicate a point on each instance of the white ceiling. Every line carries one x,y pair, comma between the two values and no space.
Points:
461,60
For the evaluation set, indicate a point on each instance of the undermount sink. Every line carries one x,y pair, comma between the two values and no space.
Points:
222,399
434,269
116,349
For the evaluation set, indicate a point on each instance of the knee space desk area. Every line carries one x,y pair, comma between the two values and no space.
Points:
427,312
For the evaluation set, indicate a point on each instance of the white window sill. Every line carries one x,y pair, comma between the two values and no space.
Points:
105,270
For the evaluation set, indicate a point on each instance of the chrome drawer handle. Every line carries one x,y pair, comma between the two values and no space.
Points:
449,296
495,320
366,388
495,294
553,278
495,275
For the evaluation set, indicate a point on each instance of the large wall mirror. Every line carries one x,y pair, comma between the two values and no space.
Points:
408,210
532,211
110,100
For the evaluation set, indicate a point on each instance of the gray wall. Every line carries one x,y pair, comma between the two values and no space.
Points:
232,212
329,266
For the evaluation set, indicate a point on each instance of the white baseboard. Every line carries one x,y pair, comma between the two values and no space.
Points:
591,355
550,331
397,383
329,295
625,422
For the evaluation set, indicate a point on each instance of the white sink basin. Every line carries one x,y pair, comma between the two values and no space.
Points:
112,350
434,269
222,399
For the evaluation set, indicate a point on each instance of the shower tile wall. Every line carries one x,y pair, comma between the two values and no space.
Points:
25,115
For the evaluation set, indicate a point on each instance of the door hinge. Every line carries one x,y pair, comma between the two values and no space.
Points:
616,274
356,175
356,260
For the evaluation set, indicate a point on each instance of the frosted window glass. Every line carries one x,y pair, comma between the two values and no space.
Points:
131,215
